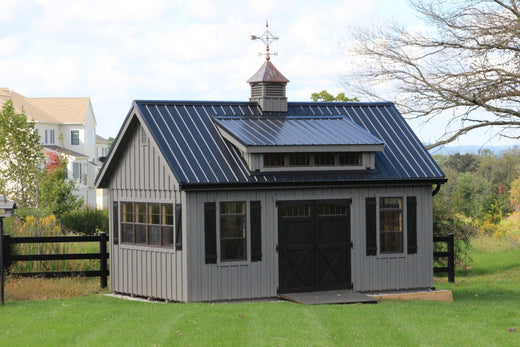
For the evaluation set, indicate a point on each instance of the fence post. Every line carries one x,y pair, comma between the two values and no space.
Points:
103,258
451,259
2,261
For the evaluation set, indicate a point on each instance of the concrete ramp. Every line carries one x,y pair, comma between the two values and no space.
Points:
329,297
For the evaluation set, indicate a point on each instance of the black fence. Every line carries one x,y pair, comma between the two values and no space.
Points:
102,256
450,254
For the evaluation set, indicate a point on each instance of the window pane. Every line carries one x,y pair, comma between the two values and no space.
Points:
140,234
390,203
74,137
128,233
167,214
167,236
392,242
299,159
232,226
391,220
274,160
154,213
296,211
233,249
324,159
154,235
232,207
140,213
128,213
331,209
353,159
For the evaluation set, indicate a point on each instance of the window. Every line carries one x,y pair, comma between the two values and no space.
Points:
350,159
274,160
391,233
331,159
233,233
147,224
299,159
77,170
46,137
324,159
74,137
51,137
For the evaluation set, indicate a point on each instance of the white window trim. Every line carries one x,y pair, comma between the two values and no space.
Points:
247,261
79,137
405,228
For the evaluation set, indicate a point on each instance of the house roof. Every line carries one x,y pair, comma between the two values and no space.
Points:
296,131
51,110
187,135
66,110
60,149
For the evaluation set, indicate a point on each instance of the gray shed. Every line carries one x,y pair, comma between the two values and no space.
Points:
239,200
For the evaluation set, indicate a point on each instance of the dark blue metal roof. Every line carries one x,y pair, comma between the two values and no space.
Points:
187,135
296,131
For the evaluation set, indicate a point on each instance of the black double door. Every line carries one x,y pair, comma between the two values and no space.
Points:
314,245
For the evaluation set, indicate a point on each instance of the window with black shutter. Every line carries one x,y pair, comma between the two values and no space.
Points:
256,231
371,226
210,232
178,227
115,223
411,223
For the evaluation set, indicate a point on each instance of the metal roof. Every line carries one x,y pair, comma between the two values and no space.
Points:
198,155
296,131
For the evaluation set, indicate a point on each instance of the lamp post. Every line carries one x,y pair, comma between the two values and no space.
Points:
6,210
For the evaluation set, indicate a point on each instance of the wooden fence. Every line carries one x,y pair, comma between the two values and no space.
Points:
450,254
103,256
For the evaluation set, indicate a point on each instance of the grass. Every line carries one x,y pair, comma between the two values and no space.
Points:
485,312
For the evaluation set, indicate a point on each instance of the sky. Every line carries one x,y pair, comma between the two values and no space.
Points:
118,51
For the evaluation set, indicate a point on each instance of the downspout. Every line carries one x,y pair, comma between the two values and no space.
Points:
436,190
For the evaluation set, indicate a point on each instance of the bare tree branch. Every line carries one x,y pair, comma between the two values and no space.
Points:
468,62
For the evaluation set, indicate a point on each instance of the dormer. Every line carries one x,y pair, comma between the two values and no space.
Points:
308,143
268,88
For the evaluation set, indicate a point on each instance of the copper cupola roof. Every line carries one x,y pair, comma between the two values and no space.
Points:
268,73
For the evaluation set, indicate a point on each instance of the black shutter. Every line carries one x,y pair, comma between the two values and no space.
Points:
371,226
210,232
256,231
411,219
178,227
115,223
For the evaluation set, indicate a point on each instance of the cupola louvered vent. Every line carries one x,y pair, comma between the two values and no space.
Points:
276,90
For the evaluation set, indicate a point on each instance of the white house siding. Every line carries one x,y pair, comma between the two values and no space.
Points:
143,175
208,282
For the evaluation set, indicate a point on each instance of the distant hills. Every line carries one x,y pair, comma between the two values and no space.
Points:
470,149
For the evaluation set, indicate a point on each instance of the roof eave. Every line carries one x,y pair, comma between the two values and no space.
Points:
293,184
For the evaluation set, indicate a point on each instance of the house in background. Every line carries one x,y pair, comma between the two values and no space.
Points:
250,199
66,126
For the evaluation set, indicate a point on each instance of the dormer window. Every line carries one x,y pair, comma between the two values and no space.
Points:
301,143
321,160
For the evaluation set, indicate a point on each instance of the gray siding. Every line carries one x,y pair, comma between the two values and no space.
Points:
207,282
142,174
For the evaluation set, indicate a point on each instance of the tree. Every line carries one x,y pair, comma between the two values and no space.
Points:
327,97
466,62
56,193
21,157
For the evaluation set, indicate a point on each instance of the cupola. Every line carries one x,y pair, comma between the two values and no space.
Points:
268,84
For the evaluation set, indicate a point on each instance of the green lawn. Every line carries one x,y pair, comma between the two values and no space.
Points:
485,312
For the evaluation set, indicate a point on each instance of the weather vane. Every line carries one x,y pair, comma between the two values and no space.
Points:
267,38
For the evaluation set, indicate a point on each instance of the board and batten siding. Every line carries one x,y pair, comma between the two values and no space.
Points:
244,280
142,175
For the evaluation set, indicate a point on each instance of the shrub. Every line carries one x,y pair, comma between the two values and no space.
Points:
86,222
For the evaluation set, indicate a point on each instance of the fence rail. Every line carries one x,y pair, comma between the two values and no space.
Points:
103,256
450,254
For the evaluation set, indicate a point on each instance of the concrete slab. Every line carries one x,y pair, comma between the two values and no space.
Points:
329,297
